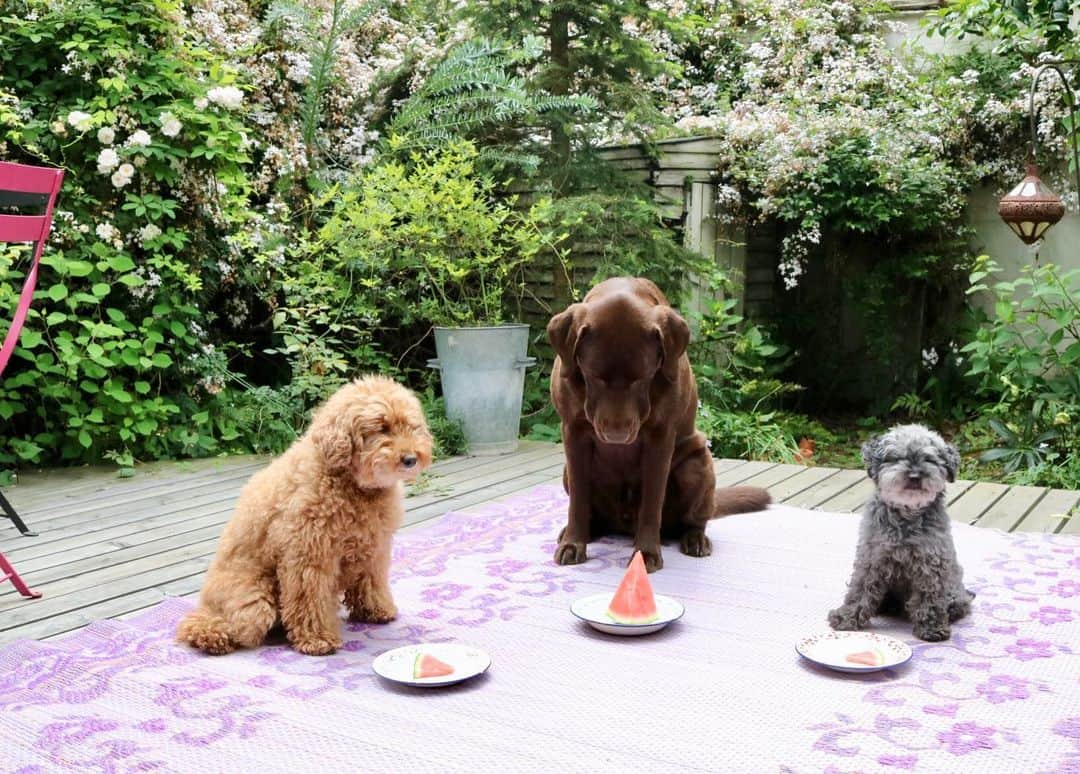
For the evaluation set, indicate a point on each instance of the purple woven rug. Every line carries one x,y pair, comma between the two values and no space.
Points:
721,690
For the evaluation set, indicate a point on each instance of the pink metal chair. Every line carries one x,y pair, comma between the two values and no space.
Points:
23,186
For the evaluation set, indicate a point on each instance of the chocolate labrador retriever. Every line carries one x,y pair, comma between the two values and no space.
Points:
635,463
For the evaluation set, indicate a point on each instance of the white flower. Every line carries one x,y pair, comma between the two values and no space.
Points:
79,120
105,231
58,128
148,232
106,135
139,138
201,103
170,124
929,358
107,161
123,175
228,97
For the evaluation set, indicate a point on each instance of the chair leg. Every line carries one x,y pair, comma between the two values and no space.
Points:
20,525
10,574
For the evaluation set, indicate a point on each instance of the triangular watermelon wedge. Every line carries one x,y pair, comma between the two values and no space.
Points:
427,665
634,602
872,657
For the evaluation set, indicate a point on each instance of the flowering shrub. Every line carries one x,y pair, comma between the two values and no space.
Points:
187,178
826,128
109,91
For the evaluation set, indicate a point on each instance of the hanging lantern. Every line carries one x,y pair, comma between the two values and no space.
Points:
1031,208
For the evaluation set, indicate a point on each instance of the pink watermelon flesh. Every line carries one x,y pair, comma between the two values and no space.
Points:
634,602
427,665
866,657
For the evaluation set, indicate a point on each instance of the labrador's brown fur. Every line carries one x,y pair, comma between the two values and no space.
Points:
635,462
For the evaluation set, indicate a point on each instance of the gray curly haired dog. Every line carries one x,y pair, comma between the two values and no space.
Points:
906,561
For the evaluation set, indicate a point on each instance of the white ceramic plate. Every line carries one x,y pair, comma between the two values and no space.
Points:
854,651
397,664
593,610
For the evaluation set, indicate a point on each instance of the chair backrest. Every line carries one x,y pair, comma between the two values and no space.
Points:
23,186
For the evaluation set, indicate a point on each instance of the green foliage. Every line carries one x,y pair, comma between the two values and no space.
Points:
1056,473
1025,361
738,372
912,405
428,244
323,42
1021,446
1029,27
448,433
581,49
474,95
104,367
619,232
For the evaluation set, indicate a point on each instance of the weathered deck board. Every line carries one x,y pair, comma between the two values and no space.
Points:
110,547
1051,513
969,506
1011,509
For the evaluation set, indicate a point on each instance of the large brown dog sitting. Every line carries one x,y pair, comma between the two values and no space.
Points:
635,463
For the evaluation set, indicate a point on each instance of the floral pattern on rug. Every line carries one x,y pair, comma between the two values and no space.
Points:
123,696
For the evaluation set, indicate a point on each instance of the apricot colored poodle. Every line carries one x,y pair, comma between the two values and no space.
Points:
316,524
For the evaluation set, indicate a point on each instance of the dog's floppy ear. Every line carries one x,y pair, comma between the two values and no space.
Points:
674,336
952,462
333,437
871,454
564,331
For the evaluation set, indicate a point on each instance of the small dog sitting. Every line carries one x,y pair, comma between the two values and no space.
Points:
315,524
905,561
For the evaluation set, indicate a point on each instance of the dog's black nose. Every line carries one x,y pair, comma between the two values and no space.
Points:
914,475
408,460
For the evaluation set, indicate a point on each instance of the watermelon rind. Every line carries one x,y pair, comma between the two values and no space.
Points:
632,621
418,667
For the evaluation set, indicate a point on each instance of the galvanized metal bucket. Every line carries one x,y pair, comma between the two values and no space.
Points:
483,377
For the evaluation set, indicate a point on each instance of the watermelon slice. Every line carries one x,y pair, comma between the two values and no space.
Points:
427,665
872,657
634,602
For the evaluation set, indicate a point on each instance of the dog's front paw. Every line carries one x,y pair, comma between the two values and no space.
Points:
931,631
317,646
959,609
570,553
695,543
846,619
653,559
380,612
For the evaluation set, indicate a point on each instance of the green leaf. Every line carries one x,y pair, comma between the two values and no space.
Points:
80,268
1072,353
161,360
29,339
85,440
57,292
120,262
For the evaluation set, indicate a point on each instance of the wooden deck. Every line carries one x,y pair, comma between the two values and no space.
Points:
109,547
